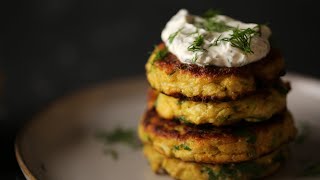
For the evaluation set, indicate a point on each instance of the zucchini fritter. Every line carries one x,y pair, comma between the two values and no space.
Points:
257,107
210,144
258,168
168,75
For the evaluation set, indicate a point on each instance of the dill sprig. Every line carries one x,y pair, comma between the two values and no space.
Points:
241,39
173,35
197,44
210,23
119,135
215,26
216,42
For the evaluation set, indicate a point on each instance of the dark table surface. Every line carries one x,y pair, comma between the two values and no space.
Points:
54,47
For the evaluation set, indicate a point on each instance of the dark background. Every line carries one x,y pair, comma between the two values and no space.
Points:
51,47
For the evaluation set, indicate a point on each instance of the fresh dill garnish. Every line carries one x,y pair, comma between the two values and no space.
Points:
197,44
216,41
160,54
312,170
119,135
210,23
210,13
215,26
194,58
182,147
241,39
173,35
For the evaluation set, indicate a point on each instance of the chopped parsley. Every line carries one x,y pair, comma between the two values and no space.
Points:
182,147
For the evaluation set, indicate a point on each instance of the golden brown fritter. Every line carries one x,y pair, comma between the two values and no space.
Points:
257,107
168,75
210,144
258,168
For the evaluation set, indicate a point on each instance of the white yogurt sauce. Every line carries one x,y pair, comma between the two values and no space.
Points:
183,29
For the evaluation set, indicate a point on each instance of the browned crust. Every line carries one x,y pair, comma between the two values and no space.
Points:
208,98
153,93
152,96
170,64
167,129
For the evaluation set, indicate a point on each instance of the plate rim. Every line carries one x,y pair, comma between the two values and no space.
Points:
65,97
23,165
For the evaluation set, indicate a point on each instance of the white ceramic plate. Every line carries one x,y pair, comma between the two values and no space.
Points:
60,143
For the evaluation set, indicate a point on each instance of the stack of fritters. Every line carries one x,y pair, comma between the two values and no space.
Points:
216,122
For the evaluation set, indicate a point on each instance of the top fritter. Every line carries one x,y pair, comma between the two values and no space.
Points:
214,39
213,57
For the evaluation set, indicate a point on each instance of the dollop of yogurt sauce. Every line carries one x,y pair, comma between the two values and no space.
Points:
207,41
